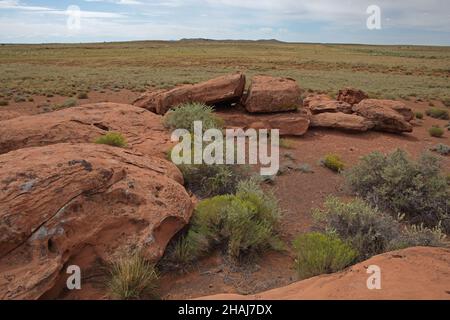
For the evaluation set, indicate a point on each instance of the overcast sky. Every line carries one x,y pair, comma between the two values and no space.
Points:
331,21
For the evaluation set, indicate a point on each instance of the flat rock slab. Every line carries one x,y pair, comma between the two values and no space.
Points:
142,129
289,124
410,274
82,203
342,121
225,89
387,115
271,94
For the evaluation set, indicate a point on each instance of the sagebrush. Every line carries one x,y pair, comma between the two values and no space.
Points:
400,186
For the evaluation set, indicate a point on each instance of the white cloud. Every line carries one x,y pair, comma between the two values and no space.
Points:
292,20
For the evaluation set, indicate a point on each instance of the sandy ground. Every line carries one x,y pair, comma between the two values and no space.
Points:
298,193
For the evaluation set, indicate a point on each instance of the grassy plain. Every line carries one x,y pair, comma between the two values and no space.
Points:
69,69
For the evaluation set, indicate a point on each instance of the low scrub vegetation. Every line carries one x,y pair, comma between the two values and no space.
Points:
369,231
318,253
183,117
438,113
82,96
212,180
286,143
114,139
3,103
419,115
243,224
400,186
333,162
436,132
442,149
69,103
419,236
132,277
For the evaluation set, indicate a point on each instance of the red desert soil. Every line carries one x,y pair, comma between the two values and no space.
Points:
298,193
414,273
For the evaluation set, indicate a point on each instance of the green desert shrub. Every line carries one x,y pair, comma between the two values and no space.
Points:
436,132
82,96
442,149
368,231
333,162
438,113
3,103
244,223
71,102
318,253
132,277
286,143
184,116
114,139
419,115
18,99
212,180
398,185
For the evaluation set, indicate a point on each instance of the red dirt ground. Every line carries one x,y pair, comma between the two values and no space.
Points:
298,193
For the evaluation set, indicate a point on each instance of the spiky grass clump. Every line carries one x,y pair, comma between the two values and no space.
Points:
114,139
132,277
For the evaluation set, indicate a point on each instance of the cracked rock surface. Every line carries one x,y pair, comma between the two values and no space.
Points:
83,204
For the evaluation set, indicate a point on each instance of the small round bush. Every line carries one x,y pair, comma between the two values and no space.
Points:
438,113
82,96
318,253
3,103
419,115
184,116
436,132
114,139
333,162
71,102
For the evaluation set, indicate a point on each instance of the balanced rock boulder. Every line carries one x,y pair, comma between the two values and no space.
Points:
321,103
352,96
143,130
342,121
387,115
225,89
410,274
271,94
82,203
289,123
